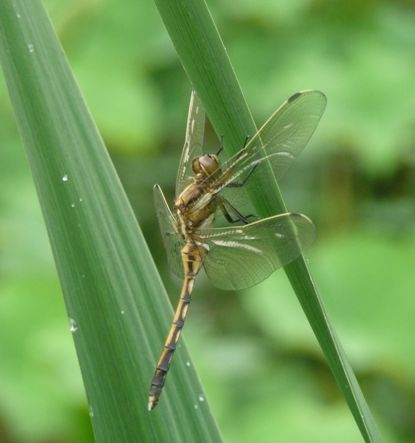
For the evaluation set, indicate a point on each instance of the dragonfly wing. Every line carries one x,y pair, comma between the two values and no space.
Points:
193,143
243,256
281,139
172,240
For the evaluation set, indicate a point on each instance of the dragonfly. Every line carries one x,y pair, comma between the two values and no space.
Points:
248,249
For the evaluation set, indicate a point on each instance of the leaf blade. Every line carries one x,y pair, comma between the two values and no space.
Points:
115,299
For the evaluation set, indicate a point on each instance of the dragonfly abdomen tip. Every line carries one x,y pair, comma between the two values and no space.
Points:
151,403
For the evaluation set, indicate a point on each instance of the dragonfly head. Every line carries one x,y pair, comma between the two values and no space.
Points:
205,164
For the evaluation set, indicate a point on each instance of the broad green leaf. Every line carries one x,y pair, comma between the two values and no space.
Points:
117,307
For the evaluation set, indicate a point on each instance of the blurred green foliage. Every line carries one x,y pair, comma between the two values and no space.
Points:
262,368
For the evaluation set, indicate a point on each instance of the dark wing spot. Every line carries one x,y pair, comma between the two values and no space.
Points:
294,97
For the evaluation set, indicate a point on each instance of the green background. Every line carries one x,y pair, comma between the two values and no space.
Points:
262,369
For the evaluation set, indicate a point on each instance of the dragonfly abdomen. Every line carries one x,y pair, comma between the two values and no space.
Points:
192,256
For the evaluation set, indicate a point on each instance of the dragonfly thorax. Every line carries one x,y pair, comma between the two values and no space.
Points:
195,207
205,165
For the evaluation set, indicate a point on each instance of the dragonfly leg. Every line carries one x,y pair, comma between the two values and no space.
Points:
246,141
242,152
242,183
239,216
221,145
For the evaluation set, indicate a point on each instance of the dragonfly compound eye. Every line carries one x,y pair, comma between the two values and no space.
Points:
196,166
208,163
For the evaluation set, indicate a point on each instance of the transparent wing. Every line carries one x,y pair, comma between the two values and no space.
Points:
243,256
280,140
193,143
172,241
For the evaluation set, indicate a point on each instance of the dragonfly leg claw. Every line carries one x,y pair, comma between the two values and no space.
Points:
239,217
221,145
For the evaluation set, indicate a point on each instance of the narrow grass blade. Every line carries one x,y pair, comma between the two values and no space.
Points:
205,60
116,303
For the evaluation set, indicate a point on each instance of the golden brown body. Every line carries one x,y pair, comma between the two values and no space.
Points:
194,207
